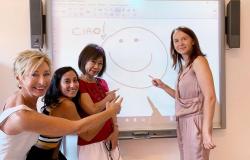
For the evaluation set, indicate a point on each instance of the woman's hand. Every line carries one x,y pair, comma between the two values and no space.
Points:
157,82
111,95
115,105
113,138
207,141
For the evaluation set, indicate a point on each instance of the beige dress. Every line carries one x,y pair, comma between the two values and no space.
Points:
189,113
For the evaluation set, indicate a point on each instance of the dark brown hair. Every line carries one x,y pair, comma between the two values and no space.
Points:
177,57
91,52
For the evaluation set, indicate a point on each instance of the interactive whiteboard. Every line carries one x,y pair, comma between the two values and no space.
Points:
135,35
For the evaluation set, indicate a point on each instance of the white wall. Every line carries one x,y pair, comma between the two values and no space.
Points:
14,37
232,143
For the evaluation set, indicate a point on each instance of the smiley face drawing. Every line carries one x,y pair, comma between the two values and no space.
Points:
132,54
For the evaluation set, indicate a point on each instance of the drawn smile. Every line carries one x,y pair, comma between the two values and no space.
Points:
136,69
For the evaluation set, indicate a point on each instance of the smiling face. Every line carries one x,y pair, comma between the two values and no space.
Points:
136,57
69,84
36,83
133,53
93,67
183,43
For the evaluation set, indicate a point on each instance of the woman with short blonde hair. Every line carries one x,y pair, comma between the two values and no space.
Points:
20,123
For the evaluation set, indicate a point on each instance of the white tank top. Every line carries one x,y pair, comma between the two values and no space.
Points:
15,147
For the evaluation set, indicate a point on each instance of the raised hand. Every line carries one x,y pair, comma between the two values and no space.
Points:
115,105
111,94
157,82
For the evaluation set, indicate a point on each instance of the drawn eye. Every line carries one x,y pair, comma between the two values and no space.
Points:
136,40
120,40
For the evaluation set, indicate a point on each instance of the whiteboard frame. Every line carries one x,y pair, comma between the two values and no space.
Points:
170,133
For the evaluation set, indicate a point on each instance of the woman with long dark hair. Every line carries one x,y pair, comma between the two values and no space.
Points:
60,100
194,95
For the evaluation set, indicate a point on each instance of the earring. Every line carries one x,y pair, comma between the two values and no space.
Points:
19,86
